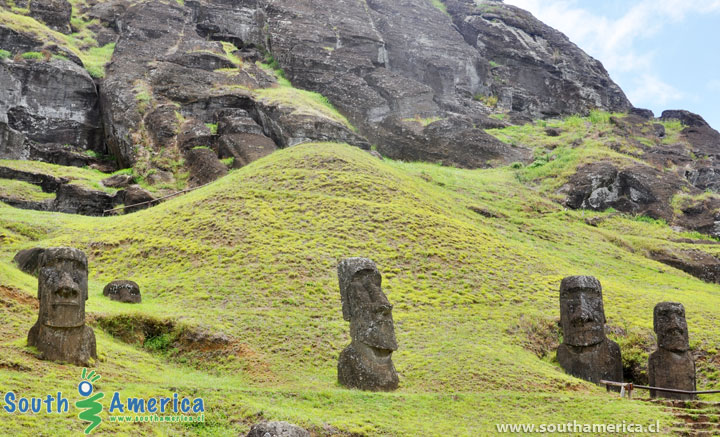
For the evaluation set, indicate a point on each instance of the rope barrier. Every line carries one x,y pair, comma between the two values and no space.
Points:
187,190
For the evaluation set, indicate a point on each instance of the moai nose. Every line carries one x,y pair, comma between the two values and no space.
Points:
586,313
67,287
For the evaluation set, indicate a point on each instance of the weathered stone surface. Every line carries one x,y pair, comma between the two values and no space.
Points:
694,262
52,101
379,63
74,199
671,365
586,352
28,260
123,291
539,71
277,429
55,13
137,196
60,334
638,189
194,133
241,138
187,83
647,114
204,166
59,154
367,362
12,143
118,181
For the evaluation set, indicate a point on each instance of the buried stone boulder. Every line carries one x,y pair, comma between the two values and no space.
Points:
60,333
367,362
123,291
27,260
586,352
277,429
671,365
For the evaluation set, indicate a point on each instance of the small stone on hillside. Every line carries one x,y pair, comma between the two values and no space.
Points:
204,165
27,260
277,429
137,198
118,181
123,291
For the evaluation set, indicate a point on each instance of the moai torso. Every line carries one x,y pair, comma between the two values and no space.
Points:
367,362
60,333
586,352
671,365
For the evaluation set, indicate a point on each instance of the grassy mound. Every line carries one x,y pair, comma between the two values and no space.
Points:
252,257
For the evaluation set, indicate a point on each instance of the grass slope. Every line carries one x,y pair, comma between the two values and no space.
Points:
253,257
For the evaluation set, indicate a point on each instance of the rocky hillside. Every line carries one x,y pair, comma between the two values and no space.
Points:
417,79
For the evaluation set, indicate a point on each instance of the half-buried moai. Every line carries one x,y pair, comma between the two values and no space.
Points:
60,333
585,352
367,362
671,365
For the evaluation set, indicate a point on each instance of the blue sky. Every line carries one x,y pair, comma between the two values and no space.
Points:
663,53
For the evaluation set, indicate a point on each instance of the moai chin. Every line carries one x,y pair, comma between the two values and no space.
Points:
60,333
672,364
586,352
367,362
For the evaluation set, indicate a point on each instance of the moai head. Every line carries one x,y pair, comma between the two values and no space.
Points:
670,326
62,287
365,305
581,311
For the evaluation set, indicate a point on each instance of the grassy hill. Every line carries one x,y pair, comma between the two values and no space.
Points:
251,259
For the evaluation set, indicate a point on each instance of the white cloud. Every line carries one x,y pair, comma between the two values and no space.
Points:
651,89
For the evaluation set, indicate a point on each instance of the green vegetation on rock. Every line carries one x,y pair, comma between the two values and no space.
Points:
82,43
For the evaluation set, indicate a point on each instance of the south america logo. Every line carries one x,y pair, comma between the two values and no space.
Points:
90,404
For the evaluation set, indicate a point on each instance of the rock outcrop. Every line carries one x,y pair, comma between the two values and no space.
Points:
47,101
668,180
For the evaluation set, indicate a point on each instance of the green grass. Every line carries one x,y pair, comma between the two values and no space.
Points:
32,55
230,50
82,43
22,190
304,102
439,5
4,54
82,176
253,256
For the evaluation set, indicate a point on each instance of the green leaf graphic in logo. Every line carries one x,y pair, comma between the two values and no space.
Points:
91,405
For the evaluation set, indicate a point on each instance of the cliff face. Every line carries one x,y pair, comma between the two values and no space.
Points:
418,81
388,63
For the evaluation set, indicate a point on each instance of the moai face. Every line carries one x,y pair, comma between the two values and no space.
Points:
366,306
671,327
581,311
62,287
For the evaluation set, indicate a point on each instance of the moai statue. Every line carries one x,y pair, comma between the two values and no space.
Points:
585,351
60,333
672,364
367,362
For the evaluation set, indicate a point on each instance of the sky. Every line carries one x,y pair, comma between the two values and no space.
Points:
665,54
